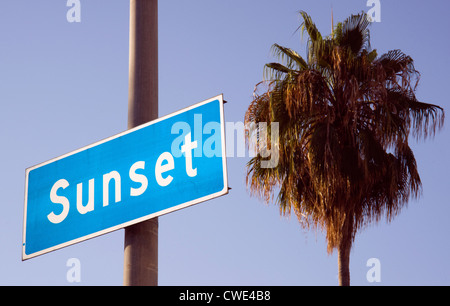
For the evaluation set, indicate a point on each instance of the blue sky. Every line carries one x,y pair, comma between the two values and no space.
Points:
65,85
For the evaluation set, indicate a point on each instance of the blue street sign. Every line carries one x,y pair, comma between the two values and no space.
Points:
156,168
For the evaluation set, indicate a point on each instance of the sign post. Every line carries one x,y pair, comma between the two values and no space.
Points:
141,240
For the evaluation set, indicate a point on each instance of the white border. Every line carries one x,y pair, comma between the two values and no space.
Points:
144,218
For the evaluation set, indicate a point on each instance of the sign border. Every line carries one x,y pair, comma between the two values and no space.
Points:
141,219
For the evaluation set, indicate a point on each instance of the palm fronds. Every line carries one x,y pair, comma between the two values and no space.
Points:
345,115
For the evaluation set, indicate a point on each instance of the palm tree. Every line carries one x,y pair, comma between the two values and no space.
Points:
344,116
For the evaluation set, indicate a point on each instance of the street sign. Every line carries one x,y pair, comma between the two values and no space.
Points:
164,165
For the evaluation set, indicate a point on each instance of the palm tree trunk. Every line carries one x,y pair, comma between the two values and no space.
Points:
344,253
344,263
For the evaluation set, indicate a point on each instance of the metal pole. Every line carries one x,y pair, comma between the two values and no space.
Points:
141,240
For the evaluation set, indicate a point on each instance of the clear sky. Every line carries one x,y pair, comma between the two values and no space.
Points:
65,85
